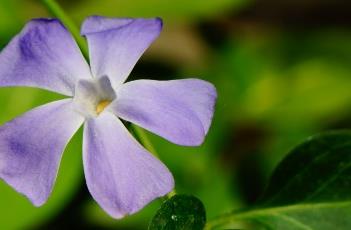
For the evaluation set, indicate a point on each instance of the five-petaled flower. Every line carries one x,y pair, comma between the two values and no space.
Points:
120,174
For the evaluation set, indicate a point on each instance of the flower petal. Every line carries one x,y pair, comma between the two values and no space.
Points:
31,147
116,44
121,175
179,110
43,55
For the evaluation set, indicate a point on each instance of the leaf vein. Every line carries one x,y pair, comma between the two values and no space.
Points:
292,220
301,173
330,180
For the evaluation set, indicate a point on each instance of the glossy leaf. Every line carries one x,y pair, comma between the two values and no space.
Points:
181,212
310,189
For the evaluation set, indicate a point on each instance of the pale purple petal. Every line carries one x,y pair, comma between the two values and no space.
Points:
178,110
115,45
121,175
43,55
31,147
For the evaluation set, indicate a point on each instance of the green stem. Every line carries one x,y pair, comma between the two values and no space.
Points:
145,140
142,135
56,10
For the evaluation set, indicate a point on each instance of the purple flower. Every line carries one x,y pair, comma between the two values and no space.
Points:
120,174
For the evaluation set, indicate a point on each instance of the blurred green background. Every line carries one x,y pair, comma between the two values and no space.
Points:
282,71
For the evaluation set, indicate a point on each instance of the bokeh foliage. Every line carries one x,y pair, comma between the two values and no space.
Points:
276,86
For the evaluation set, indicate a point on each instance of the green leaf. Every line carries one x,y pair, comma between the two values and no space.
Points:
310,189
181,212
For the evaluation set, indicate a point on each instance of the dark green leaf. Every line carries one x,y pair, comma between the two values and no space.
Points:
310,189
316,171
181,212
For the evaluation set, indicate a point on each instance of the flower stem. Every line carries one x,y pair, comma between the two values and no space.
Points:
55,9
142,135
144,139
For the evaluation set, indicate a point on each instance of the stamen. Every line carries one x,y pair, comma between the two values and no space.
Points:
102,105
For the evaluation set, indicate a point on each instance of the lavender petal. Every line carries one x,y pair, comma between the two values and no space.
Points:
43,55
179,110
116,44
121,175
31,147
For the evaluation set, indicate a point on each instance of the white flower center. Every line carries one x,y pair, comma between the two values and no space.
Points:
93,96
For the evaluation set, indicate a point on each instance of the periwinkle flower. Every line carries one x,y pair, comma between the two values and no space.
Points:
120,174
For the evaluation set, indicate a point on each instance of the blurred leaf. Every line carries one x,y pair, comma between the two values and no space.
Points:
14,14
180,212
304,97
291,84
282,80
170,10
310,189
9,21
98,218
